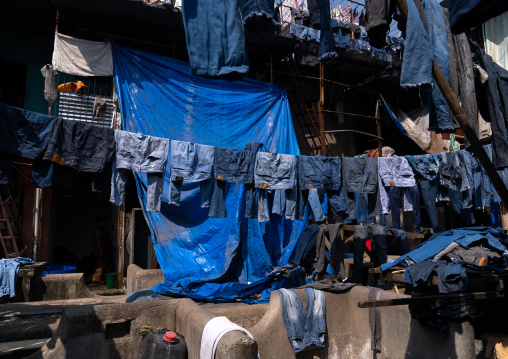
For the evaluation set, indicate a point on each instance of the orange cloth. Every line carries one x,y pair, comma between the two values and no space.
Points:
77,86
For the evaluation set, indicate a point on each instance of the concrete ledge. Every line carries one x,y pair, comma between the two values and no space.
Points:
59,287
348,332
138,278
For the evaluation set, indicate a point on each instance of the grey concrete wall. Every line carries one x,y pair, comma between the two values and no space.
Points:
138,278
59,287
349,333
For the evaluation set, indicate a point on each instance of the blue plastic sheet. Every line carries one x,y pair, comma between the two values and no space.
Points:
213,259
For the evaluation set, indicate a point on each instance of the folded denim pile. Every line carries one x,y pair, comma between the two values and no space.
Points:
356,188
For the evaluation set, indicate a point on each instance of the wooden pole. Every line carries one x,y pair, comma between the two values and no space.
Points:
321,104
378,125
121,241
463,121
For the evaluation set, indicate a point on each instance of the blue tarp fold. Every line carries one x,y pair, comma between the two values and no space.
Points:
214,259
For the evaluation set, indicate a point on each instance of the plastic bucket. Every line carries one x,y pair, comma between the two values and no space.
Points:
111,280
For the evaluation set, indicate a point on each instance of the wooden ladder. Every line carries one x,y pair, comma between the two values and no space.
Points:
10,231
304,111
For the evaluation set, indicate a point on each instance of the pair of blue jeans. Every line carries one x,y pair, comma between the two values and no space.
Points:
215,37
401,240
418,60
191,163
9,274
424,166
428,190
304,329
379,247
326,40
396,199
139,153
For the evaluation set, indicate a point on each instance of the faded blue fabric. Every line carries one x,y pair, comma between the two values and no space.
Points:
439,111
360,175
215,37
439,241
210,259
465,14
418,274
315,205
251,9
304,329
139,153
452,278
9,274
304,33
275,171
425,166
417,60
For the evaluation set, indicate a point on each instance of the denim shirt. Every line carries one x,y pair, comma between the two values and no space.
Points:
395,171
360,175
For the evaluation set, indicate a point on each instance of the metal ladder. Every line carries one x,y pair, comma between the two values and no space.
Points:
304,111
10,231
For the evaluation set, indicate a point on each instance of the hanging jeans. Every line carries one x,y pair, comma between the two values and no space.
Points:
215,37
429,195
418,60
361,176
22,133
139,153
360,239
223,167
379,248
304,329
191,163
425,166
401,240
411,199
305,242
326,40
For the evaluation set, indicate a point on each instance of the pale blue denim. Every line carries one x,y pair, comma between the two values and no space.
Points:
251,9
279,202
296,203
315,205
425,166
439,111
191,163
360,175
275,172
215,37
396,171
139,153
452,171
263,210
419,53
304,329
304,33
9,274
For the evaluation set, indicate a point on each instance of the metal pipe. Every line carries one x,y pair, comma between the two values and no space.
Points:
463,121
36,221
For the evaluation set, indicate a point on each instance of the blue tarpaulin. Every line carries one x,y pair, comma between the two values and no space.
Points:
213,259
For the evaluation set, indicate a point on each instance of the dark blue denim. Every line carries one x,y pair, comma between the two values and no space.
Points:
337,201
319,172
363,207
304,330
428,190
326,41
465,14
251,201
244,168
379,248
304,244
218,200
80,145
452,171
215,37
361,235
467,160
379,17
458,201
396,199
296,203
22,133
451,277
47,174
360,175
482,184
401,240
418,275
424,166
224,163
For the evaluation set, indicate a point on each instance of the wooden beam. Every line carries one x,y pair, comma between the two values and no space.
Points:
320,108
463,121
